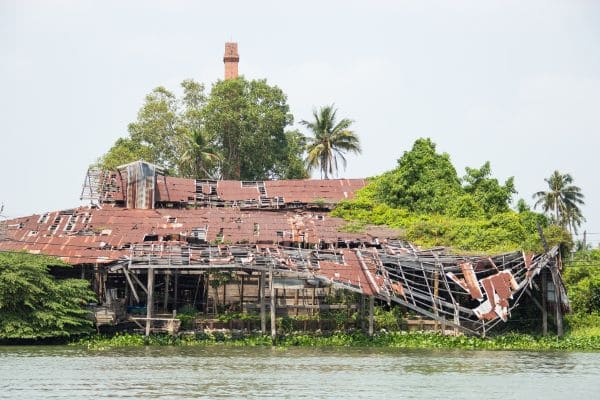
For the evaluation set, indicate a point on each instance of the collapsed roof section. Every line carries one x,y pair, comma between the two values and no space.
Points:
469,293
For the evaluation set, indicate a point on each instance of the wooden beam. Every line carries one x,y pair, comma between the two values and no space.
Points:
371,315
361,313
133,291
166,298
263,317
150,302
544,302
176,290
273,305
557,296
139,282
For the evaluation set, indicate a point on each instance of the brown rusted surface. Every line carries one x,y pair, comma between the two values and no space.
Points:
89,235
469,281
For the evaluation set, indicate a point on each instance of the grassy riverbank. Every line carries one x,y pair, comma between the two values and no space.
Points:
402,340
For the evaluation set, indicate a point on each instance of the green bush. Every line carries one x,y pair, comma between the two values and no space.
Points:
34,305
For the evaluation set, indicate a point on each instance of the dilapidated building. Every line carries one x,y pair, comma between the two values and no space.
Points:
155,243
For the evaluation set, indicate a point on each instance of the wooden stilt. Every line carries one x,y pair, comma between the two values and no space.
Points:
273,305
263,317
297,291
361,313
176,290
166,298
242,293
544,303
150,301
371,315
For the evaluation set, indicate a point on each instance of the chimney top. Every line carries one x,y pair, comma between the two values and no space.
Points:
231,59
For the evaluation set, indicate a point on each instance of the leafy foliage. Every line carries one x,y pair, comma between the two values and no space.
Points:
34,305
235,132
423,181
582,276
125,151
486,192
425,199
247,120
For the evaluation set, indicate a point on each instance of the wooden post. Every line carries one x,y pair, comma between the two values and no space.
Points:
371,314
167,282
175,290
436,290
261,291
544,302
242,293
296,300
361,313
150,300
273,305
557,295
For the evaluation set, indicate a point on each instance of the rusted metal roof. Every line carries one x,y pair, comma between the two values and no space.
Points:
102,235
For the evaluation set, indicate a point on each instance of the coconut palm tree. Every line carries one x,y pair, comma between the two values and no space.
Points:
563,199
331,141
200,159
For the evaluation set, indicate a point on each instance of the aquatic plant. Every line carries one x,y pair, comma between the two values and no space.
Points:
403,340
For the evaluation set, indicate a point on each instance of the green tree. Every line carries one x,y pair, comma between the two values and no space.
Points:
487,191
237,132
562,200
291,165
165,129
125,151
331,140
34,305
247,120
423,181
200,158
158,127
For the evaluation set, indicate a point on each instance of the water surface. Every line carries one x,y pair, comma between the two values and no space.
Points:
62,372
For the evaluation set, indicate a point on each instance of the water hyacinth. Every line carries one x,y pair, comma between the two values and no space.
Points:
399,340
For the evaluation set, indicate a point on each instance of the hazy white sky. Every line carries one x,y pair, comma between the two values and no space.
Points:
513,82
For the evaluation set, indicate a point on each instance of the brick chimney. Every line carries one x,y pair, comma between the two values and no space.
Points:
231,59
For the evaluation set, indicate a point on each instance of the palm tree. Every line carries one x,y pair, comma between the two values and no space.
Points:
200,158
563,199
330,141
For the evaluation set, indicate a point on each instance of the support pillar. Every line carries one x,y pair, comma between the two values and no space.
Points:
167,282
361,313
176,290
273,305
150,301
371,315
261,291
544,303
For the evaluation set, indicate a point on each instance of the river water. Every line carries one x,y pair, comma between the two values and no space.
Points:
63,372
